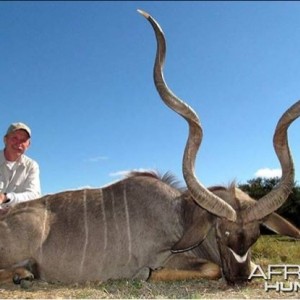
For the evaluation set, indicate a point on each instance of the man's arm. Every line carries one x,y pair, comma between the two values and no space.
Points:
31,188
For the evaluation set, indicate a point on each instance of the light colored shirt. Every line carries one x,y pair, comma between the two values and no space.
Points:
20,180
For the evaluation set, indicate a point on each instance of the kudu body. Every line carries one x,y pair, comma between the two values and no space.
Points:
142,226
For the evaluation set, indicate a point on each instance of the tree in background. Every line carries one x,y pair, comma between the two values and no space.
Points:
259,187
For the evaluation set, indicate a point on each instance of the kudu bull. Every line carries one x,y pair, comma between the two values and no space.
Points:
142,226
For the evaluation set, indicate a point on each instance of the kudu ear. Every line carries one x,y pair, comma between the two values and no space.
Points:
195,233
281,226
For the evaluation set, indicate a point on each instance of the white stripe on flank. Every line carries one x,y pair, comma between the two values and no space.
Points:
104,219
86,233
68,235
239,259
128,226
44,228
103,226
116,219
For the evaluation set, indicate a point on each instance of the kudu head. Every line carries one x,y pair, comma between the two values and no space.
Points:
238,217
234,239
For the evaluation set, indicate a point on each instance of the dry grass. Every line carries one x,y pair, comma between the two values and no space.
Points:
268,250
123,289
275,250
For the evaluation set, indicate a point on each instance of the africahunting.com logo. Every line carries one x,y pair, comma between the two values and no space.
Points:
279,278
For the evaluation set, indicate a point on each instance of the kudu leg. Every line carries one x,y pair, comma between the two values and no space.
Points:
25,270
180,267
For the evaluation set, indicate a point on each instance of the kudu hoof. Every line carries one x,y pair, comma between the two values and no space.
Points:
22,276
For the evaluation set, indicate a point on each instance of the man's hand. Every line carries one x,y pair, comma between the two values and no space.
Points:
3,198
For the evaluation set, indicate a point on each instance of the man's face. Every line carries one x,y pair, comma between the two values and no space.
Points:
17,142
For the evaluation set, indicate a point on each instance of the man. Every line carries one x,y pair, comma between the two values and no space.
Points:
19,174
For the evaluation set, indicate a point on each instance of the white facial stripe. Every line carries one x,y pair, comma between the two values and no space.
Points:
239,259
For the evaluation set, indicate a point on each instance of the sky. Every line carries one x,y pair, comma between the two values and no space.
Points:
79,73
